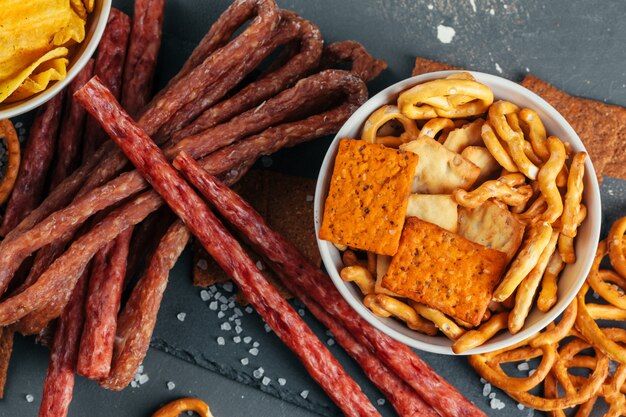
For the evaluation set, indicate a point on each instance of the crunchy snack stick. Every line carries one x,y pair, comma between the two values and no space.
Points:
496,149
501,189
443,323
474,338
384,115
386,306
616,248
7,132
547,179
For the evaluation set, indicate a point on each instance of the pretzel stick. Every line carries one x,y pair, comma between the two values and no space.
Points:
496,149
390,306
360,276
547,179
574,195
616,248
536,133
500,189
443,323
479,336
566,243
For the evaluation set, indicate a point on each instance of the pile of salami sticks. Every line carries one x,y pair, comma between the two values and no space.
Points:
66,259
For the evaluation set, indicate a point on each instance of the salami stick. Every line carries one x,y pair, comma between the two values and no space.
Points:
292,27
142,54
6,347
186,204
36,160
405,400
363,65
137,319
59,382
103,303
108,67
185,89
302,277
71,130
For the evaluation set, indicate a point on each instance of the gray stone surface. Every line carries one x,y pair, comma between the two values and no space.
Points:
576,45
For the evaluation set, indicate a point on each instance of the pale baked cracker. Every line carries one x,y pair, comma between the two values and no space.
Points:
482,158
439,209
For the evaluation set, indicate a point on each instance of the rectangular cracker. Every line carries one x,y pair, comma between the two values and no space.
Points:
439,209
467,135
440,171
492,226
444,271
368,195
482,158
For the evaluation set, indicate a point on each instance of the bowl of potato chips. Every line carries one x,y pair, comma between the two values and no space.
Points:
43,45
457,212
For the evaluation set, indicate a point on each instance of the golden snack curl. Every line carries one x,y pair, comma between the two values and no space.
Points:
574,195
443,323
379,118
360,276
549,283
389,306
7,131
500,189
477,337
496,149
617,250
536,133
181,405
547,179
450,97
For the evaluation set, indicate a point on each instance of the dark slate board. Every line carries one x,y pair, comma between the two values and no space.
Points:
576,47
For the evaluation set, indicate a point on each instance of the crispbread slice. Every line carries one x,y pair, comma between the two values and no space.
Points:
440,171
368,195
492,226
444,271
439,209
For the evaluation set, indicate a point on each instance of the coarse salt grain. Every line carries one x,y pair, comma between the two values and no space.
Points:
143,379
486,390
523,366
520,406
223,307
492,395
247,339
221,314
245,361
380,401
249,310
238,329
282,381
496,404
171,385
259,265
254,351
256,344
258,373
181,316
223,299
483,381
140,369
133,384
231,304
228,286
304,394
29,398
204,295
213,305
330,342
237,339
301,312
238,312
221,341
266,381
268,329
226,326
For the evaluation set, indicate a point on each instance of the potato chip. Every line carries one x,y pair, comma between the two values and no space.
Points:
439,209
9,86
89,5
79,8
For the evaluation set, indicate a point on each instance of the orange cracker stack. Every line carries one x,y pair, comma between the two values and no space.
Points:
368,196
444,271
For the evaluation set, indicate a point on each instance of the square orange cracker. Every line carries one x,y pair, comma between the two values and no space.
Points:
444,271
368,196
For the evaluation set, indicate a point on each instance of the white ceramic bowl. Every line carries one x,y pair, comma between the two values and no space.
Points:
572,277
96,22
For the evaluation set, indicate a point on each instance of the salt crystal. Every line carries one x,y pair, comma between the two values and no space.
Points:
520,406
247,339
492,395
249,310
483,381
202,264
245,361
486,390
268,329
238,329
190,413
282,381
29,398
238,312
330,342
531,372
266,381
223,300
217,294
237,339
221,341
140,369
171,385
309,198
304,394
231,304
301,312
445,34
256,344
238,322
133,384
254,351
228,286
523,366
259,265
143,379
380,401
220,314
223,307
498,68
204,295
213,305
258,373
181,316
226,326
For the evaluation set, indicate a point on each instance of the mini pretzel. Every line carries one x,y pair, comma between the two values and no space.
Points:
432,127
479,336
547,179
451,98
489,366
383,115
513,121
561,330
7,131
443,323
360,276
525,260
609,285
389,306
528,287
512,137
548,294
566,243
536,133
349,258
501,189
178,407
606,312
535,211
617,250
496,149
574,195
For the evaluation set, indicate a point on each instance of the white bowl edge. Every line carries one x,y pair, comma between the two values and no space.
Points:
572,277
84,53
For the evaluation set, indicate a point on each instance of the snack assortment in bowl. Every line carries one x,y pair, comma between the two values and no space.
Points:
43,45
455,208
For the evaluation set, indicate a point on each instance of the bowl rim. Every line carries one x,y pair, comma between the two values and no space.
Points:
39,99
593,217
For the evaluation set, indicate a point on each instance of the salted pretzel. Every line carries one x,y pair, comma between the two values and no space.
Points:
548,294
453,97
175,408
525,260
574,195
496,149
566,243
558,332
386,306
443,323
484,332
528,287
536,133
379,118
360,276
7,132
547,179
616,246
501,189
432,127
534,212
514,138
